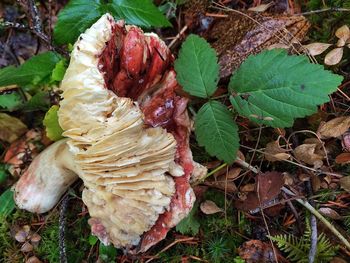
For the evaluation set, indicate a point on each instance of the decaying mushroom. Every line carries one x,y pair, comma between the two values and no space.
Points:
128,139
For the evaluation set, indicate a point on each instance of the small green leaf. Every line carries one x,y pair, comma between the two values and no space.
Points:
7,203
10,101
53,128
59,70
216,131
74,19
197,68
40,101
138,12
190,224
33,71
3,173
107,253
92,240
273,88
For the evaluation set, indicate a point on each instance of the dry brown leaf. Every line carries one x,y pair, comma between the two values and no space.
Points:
248,188
317,48
27,247
345,142
315,182
11,128
275,153
233,173
343,32
287,179
334,56
340,42
261,8
253,251
345,183
307,154
334,128
208,207
326,211
278,45
343,158
33,259
338,260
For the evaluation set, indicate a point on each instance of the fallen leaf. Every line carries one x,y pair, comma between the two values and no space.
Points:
345,142
253,251
340,42
343,32
233,173
261,8
317,48
338,260
345,183
343,158
208,207
315,182
307,154
278,45
287,179
27,247
11,128
33,259
326,211
274,152
334,128
248,188
334,56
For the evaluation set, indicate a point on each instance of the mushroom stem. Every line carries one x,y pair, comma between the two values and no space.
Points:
47,178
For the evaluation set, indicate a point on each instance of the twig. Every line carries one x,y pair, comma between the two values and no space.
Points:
331,9
320,217
313,226
62,226
178,36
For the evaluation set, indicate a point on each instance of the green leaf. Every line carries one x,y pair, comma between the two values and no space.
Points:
40,101
10,101
59,70
74,19
190,224
3,173
273,88
216,131
78,15
92,240
53,128
7,203
139,12
197,68
107,253
33,71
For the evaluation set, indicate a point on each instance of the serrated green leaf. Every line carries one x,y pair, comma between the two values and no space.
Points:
74,19
197,68
138,12
10,101
190,224
216,131
52,127
273,88
59,70
33,71
7,203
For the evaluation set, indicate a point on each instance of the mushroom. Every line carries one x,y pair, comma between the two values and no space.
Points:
127,135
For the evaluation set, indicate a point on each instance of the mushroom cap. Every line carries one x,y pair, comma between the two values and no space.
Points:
127,168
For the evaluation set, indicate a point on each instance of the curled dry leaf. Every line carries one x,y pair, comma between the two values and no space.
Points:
274,152
326,211
27,247
317,48
343,32
11,128
261,8
340,42
334,128
343,158
345,142
345,183
208,207
309,153
334,56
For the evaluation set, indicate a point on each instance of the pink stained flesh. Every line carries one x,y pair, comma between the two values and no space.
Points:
140,67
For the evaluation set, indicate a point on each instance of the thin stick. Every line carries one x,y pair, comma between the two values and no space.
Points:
331,9
62,226
320,217
178,36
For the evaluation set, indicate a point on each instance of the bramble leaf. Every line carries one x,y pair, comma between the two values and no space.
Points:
7,203
78,15
216,131
138,12
197,68
53,128
190,224
10,101
33,71
273,88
